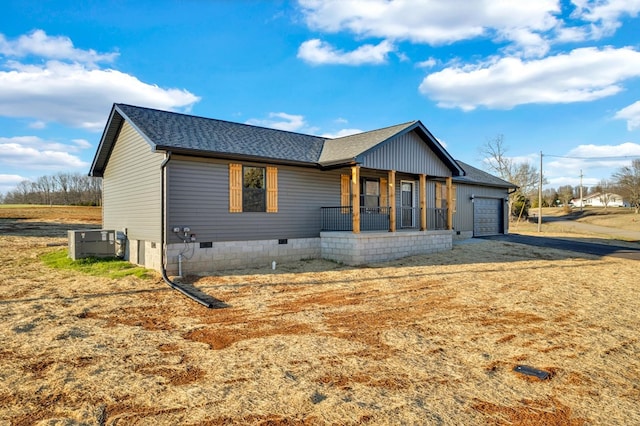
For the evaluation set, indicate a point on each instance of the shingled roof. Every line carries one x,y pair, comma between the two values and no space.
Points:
477,176
193,135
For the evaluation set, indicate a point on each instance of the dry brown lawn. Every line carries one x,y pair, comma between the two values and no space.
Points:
614,217
622,218
425,340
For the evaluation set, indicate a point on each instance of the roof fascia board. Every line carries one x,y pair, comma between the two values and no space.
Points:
132,124
104,143
236,157
441,151
462,180
337,164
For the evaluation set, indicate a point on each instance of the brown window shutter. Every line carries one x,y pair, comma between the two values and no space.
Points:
439,188
345,192
454,202
235,188
384,192
272,189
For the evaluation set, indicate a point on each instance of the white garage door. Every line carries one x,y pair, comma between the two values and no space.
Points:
487,217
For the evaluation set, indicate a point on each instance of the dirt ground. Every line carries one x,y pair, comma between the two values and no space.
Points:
426,340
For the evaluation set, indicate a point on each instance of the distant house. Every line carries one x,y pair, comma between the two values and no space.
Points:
196,195
600,199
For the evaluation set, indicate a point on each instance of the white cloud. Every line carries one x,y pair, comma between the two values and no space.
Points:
582,75
429,63
280,121
605,15
341,133
436,22
529,28
9,182
528,44
595,162
630,113
82,143
34,153
68,87
571,34
297,123
39,44
318,52
38,125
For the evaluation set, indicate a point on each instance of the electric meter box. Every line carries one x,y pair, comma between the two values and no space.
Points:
92,243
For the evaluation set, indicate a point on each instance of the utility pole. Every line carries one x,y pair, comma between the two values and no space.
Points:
581,199
540,197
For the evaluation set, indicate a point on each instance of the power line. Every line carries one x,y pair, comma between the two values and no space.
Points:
619,157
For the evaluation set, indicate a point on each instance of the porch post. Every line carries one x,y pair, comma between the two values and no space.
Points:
450,207
392,200
355,197
423,202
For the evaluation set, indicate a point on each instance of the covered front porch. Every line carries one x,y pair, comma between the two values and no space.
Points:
383,201
386,215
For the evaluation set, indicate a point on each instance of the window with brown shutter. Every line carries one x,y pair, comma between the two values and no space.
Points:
253,189
272,190
345,192
442,199
235,188
384,192
454,193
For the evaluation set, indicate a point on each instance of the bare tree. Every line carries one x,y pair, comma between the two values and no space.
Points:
565,194
63,188
62,180
628,182
22,192
549,197
523,174
605,192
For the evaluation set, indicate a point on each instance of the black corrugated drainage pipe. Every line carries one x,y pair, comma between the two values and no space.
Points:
166,279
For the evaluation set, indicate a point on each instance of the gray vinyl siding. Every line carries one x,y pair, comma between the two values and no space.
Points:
198,197
131,187
401,177
406,153
463,219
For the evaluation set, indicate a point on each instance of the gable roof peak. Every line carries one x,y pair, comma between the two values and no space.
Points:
392,128
347,148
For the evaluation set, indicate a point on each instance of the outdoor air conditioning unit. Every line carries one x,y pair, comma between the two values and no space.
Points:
92,243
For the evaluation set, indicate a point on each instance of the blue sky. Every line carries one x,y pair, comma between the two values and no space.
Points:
561,77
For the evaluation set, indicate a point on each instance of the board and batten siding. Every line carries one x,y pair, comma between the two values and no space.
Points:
131,187
198,197
406,153
463,219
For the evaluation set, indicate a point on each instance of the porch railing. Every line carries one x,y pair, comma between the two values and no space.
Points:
341,218
436,219
336,218
377,218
